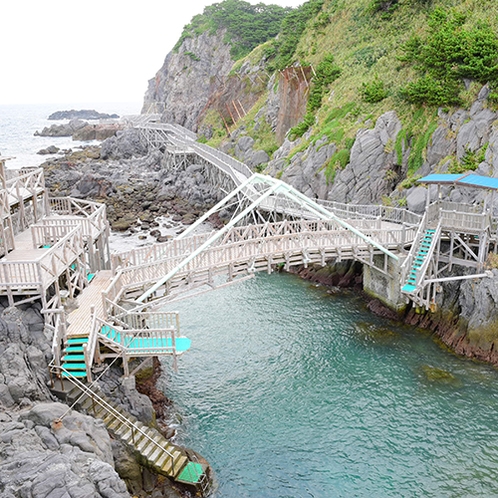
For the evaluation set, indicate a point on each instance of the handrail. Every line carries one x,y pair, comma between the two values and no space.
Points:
104,404
423,269
407,263
90,346
59,335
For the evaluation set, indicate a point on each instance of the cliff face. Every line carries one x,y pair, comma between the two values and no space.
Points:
188,79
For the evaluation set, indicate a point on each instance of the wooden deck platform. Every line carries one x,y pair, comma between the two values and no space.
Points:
80,320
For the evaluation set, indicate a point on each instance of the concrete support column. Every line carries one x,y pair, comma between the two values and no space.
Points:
385,289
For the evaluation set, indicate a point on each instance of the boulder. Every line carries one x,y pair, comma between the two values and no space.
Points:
62,130
416,199
52,149
366,179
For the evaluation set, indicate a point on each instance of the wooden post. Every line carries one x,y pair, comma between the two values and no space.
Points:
126,367
87,363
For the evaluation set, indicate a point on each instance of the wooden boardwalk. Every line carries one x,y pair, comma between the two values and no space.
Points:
80,319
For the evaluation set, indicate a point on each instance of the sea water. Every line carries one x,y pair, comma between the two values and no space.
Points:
19,122
291,392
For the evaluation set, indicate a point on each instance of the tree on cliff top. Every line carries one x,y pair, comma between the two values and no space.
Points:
246,25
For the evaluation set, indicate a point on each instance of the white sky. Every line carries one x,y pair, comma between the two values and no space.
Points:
59,51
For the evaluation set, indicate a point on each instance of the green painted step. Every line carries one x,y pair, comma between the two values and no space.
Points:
76,373
74,366
73,357
74,349
77,340
191,473
408,288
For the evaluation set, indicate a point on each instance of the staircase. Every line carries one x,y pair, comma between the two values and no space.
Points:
140,343
154,450
422,253
73,358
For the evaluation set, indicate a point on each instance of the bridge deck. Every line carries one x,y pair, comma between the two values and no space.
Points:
26,267
80,320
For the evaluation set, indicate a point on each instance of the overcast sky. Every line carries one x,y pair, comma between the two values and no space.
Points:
59,51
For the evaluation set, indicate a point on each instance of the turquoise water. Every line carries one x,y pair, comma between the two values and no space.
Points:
291,392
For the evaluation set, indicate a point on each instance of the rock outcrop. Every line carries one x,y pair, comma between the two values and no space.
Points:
46,448
80,130
367,177
134,184
62,130
204,60
81,114
40,457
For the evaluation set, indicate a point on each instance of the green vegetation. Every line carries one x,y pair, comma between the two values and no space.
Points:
283,48
374,91
470,160
193,56
326,72
448,53
370,57
246,25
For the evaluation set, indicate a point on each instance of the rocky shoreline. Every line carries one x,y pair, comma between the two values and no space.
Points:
461,306
76,456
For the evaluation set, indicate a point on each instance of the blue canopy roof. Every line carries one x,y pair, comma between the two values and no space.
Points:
466,180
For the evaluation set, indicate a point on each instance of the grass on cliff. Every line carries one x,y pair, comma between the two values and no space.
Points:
369,45
377,50
246,26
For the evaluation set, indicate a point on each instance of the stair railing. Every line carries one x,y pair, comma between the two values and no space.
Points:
423,269
407,263
90,347
135,430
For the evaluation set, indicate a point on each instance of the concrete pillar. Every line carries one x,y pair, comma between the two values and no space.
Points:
380,286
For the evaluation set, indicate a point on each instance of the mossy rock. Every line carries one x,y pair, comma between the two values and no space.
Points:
144,374
376,335
438,375
122,224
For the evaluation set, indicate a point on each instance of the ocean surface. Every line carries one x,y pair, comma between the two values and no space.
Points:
292,392
18,124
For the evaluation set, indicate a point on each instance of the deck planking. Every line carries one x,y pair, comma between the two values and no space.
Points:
80,319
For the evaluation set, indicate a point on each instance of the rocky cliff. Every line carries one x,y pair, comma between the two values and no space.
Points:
204,60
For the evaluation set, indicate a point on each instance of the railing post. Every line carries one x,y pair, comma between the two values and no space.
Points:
87,363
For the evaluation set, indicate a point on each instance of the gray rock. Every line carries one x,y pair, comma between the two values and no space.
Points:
256,158
441,145
365,179
416,199
479,303
62,130
182,101
125,145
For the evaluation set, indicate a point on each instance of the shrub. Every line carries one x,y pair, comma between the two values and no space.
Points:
374,91
385,7
293,25
193,56
246,25
447,54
